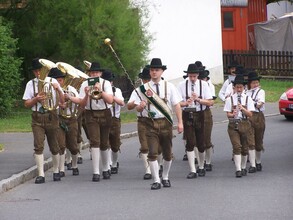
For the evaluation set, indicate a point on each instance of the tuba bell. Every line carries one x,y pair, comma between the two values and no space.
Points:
69,72
45,87
76,82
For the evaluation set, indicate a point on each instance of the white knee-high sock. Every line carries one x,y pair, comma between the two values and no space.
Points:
201,157
109,158
160,159
105,159
114,158
252,157
74,160
39,158
155,170
166,169
95,152
56,160
61,163
196,152
258,156
191,156
208,155
237,162
146,163
243,161
67,156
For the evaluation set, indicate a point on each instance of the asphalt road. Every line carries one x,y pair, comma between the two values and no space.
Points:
218,195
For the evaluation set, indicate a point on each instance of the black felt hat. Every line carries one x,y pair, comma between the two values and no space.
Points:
156,63
252,75
204,74
108,75
239,79
233,63
199,64
145,74
36,64
56,73
193,68
96,67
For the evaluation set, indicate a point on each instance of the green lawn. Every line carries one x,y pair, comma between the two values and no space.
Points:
20,120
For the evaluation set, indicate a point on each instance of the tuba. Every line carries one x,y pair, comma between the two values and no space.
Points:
76,82
70,108
46,88
94,93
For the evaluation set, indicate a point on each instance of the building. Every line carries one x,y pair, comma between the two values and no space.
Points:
237,18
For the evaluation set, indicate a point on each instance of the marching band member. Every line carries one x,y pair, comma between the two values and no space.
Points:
45,121
161,96
68,129
257,120
97,98
115,131
196,97
239,108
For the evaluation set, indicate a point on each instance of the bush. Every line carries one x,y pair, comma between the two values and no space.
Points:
10,81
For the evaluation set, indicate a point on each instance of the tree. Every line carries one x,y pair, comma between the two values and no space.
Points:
73,30
9,69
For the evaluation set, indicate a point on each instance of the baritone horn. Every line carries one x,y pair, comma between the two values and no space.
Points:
69,72
46,88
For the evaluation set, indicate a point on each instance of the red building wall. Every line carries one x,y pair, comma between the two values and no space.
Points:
240,37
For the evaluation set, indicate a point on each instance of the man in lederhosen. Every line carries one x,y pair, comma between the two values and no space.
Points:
257,120
45,122
97,99
161,96
115,131
68,126
196,96
239,108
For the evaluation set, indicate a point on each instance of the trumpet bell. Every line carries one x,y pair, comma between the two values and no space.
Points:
107,41
87,64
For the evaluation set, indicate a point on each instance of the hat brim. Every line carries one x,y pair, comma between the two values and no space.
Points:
96,70
238,82
255,78
163,67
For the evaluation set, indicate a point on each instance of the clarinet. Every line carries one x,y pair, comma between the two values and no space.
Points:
236,128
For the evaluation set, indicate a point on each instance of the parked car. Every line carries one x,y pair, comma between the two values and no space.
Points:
286,104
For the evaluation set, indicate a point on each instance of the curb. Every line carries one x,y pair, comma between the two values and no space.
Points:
26,175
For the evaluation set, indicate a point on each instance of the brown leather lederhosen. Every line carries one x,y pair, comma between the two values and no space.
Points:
98,123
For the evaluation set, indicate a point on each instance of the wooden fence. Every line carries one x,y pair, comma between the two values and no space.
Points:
267,63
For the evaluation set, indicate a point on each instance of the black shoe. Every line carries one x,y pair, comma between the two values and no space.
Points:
252,170
39,180
79,160
191,175
155,186
201,172
258,167
185,157
166,183
69,166
147,176
106,175
114,170
208,167
238,174
96,177
195,161
161,171
75,171
244,172
56,177
62,174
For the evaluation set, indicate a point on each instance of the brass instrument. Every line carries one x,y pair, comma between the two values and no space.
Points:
94,93
45,87
69,71
76,82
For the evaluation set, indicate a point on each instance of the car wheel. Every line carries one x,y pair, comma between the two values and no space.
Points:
290,118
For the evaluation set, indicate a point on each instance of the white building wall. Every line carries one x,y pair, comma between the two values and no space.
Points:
185,31
279,9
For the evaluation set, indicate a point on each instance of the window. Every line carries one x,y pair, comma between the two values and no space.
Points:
228,19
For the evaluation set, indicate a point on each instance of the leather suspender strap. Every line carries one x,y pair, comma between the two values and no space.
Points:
34,88
114,110
186,90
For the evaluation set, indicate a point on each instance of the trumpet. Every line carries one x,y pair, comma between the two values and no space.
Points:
45,87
